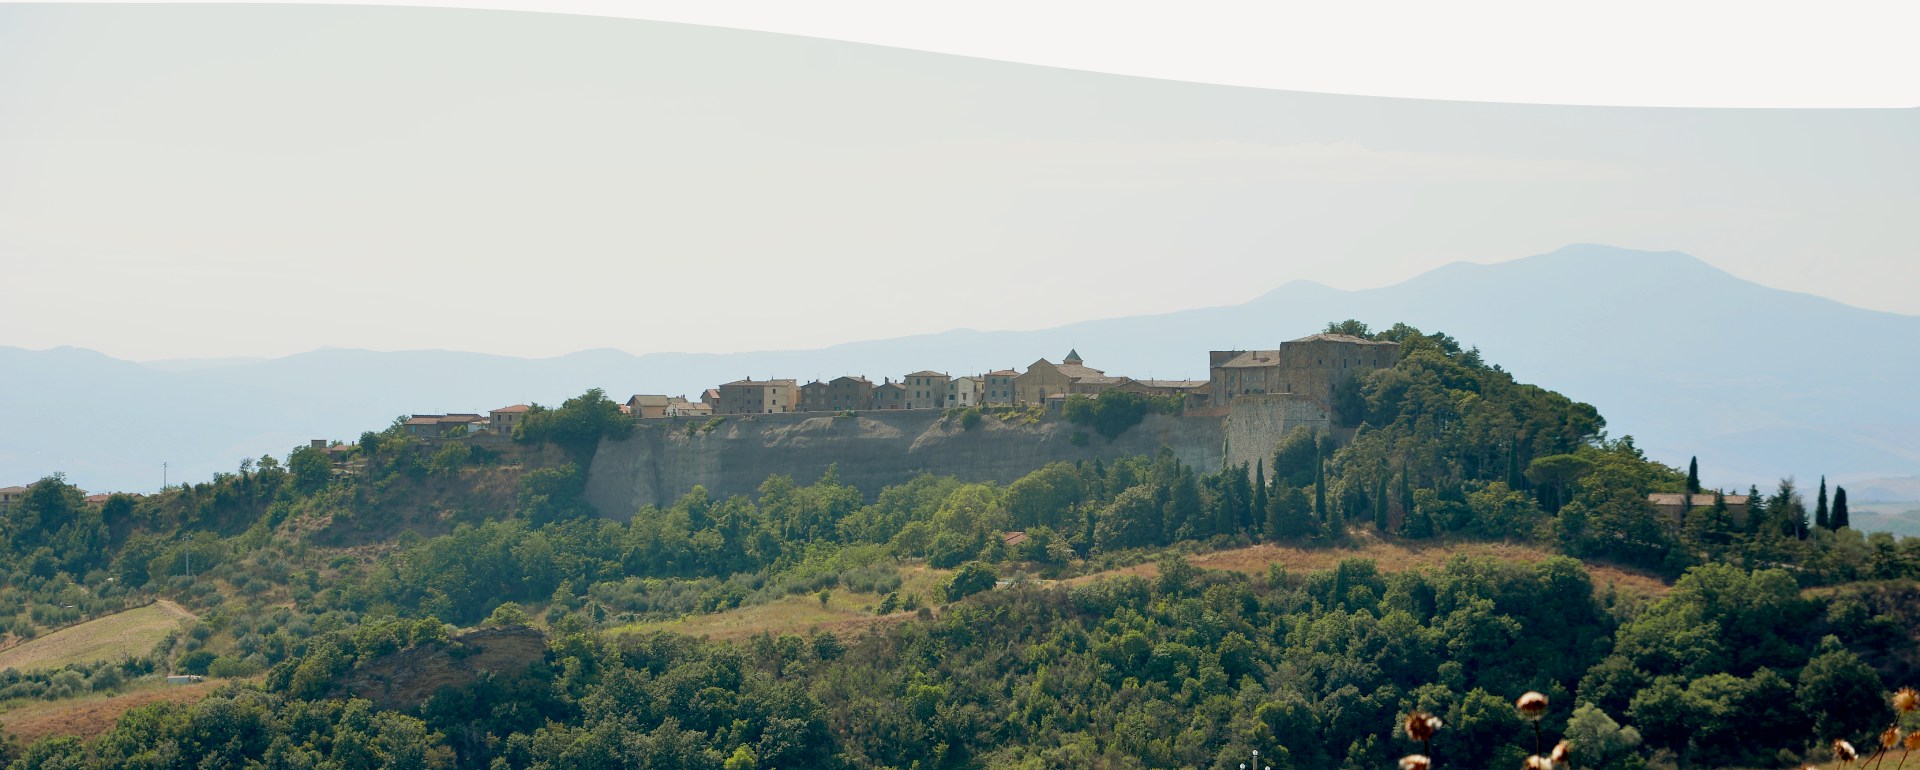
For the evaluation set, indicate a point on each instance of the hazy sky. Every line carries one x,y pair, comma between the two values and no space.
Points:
261,180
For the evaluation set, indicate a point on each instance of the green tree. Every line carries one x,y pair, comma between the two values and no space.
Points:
971,578
1597,739
1840,518
577,426
1820,508
1349,327
1380,504
1693,475
1842,695
1554,476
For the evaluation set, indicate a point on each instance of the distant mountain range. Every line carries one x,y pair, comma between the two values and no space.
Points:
1759,383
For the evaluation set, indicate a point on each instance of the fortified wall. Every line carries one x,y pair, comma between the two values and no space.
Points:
1255,423
665,459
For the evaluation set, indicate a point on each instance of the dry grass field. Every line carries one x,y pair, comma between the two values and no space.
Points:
848,612
844,612
91,715
122,634
1394,557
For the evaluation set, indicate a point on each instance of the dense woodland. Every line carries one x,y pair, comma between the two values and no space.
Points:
1783,631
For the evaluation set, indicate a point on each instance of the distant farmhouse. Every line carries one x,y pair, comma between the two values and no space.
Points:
1675,505
10,495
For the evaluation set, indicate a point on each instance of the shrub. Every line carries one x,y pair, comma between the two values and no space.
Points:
1112,413
195,662
972,578
226,667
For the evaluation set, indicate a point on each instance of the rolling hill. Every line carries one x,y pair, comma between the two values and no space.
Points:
1690,360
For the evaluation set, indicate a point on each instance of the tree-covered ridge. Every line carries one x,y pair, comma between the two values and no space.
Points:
1191,669
305,568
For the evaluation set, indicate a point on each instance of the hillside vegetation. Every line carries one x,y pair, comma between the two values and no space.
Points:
1156,615
124,634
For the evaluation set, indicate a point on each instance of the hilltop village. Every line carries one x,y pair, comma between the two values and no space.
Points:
1308,369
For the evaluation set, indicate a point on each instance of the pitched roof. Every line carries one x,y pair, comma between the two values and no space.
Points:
98,498
1073,357
1184,384
858,378
647,400
1343,338
925,373
1699,499
1015,537
1002,373
1251,359
1078,372
15,490
424,419
515,409
757,383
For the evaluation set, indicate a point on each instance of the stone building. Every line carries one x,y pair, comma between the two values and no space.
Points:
1309,367
848,393
998,387
679,406
503,420
647,406
1045,378
964,392
750,396
890,395
926,390
432,426
1672,505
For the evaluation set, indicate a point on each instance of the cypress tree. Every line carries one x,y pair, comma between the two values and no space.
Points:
1693,477
1260,502
1380,505
1514,479
1406,492
1820,508
1319,489
1839,518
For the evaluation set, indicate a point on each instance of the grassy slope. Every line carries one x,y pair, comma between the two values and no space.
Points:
122,634
95,713
846,612
1397,556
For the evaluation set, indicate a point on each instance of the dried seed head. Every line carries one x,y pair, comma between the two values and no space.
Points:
1532,705
1561,751
1415,762
1537,762
1906,699
1844,752
1890,738
1913,741
1421,726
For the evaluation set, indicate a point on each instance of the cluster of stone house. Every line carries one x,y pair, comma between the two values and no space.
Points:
498,422
1310,367
1043,383
11,496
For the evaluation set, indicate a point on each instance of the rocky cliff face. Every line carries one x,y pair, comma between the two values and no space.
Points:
664,459
407,678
